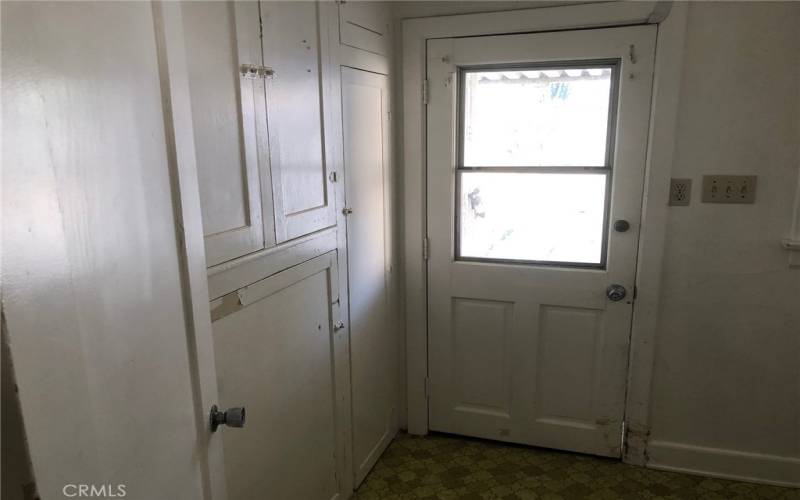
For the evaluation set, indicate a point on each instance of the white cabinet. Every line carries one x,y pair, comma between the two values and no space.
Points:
373,337
297,52
230,128
280,354
260,138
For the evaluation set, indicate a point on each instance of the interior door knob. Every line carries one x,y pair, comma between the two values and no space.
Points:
621,225
232,417
615,293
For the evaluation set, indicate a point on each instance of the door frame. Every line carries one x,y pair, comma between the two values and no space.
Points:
671,21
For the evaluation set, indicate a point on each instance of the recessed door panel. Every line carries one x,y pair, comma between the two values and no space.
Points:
480,361
565,364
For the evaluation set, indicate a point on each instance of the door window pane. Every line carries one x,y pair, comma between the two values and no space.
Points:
532,216
536,117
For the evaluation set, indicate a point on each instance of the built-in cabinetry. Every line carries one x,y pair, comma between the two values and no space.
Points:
260,122
292,152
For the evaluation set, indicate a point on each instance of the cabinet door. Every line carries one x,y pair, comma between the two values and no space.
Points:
373,344
365,25
296,51
279,355
228,114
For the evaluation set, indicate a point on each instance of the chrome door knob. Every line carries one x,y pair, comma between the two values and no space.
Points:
232,417
615,293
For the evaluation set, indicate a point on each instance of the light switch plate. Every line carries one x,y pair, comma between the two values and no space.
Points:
729,188
680,192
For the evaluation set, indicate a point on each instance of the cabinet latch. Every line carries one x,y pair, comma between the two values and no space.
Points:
254,71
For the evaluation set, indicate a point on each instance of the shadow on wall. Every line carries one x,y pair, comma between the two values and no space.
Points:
16,470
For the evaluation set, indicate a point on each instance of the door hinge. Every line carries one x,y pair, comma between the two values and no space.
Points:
425,91
333,177
635,292
425,248
427,387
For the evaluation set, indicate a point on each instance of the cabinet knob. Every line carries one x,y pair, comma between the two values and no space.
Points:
232,417
347,210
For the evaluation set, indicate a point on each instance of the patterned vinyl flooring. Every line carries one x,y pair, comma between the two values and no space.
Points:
443,467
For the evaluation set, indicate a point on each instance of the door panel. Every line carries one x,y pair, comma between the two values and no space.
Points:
228,114
93,301
290,446
372,340
535,143
482,331
295,50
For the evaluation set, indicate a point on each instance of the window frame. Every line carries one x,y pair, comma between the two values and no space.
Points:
607,169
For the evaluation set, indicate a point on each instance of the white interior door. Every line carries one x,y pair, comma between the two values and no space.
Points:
536,148
373,353
100,259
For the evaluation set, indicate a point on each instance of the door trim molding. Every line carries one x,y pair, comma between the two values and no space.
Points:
669,53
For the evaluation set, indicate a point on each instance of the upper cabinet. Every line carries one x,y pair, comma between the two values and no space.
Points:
230,127
365,25
258,82
295,47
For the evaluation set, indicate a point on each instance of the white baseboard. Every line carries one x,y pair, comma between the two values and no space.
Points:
724,463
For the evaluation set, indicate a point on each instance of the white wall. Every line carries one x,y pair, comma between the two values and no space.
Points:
727,369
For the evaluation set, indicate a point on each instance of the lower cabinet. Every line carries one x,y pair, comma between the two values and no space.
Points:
280,354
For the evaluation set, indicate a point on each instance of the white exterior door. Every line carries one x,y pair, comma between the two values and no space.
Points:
536,154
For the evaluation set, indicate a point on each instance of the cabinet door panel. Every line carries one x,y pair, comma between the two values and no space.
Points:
276,350
228,113
365,25
373,345
294,49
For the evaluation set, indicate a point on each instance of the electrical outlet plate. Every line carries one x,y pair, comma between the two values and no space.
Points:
729,188
680,192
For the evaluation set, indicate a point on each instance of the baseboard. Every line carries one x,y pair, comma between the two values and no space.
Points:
724,463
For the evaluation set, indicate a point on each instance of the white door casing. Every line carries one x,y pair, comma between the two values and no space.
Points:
532,353
373,346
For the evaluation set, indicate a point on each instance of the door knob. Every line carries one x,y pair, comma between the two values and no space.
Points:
232,417
621,225
615,293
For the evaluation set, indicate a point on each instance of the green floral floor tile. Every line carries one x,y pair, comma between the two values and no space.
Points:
448,467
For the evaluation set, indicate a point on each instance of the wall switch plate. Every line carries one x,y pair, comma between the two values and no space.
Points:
680,192
729,188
